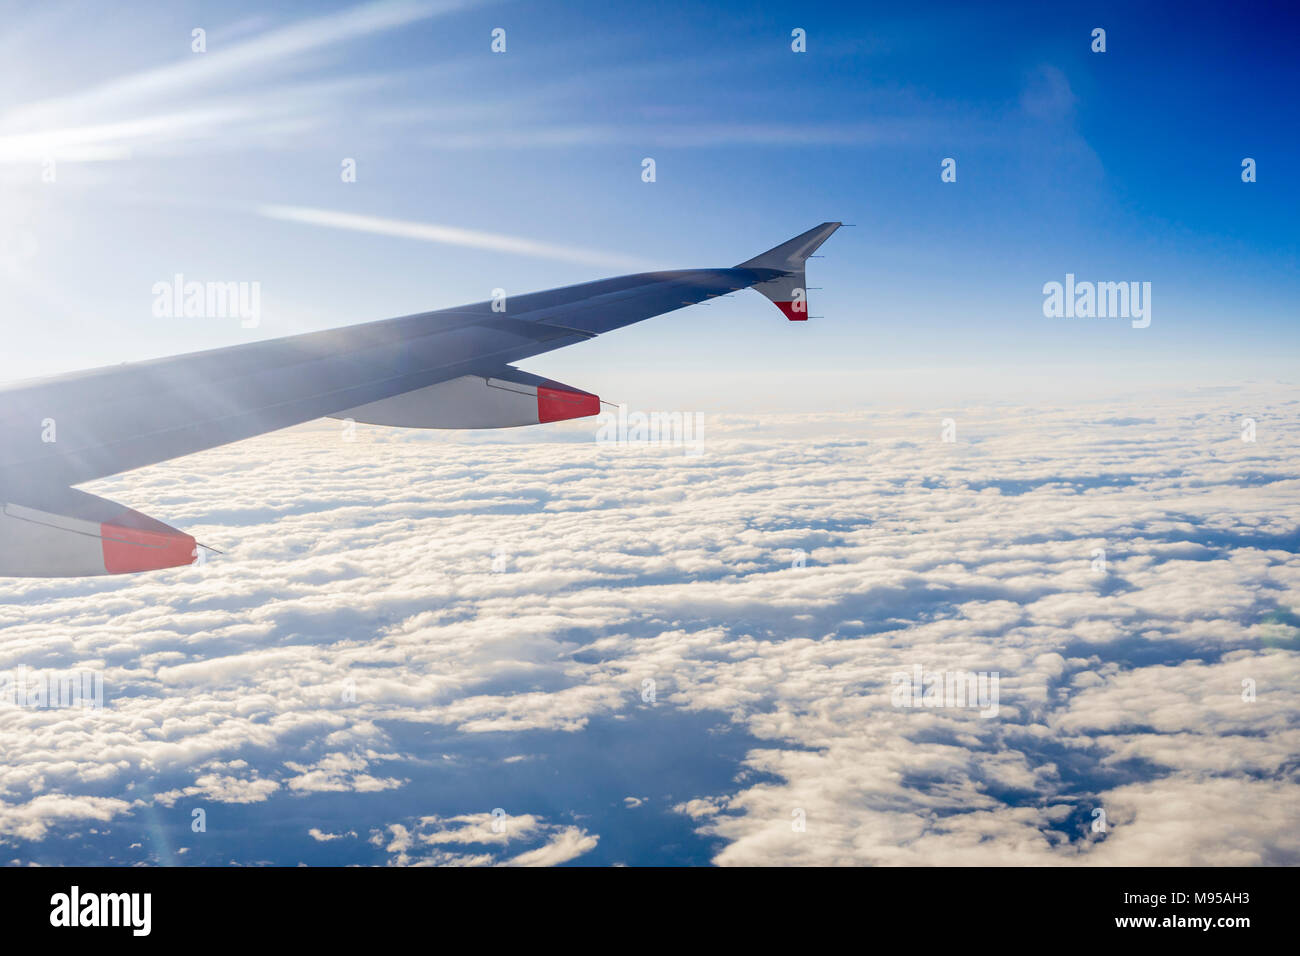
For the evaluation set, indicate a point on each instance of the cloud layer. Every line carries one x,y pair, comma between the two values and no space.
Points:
641,655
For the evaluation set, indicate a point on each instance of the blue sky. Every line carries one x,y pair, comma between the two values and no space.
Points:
1123,165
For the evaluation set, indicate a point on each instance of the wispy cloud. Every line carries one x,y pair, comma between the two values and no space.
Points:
152,106
111,141
696,135
276,50
449,235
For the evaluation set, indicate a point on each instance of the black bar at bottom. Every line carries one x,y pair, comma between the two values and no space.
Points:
331,906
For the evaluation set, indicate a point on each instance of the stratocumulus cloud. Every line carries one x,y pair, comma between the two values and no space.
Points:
418,637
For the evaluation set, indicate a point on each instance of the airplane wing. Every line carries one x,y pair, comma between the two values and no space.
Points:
446,369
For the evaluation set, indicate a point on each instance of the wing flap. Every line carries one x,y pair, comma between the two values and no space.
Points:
506,398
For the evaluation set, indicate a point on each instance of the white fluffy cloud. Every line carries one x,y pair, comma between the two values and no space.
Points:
1127,577
483,839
